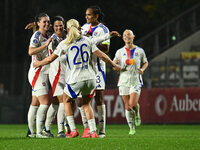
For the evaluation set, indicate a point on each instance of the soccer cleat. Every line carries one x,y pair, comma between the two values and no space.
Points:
94,134
61,134
132,132
41,136
73,134
102,135
137,116
67,133
31,135
86,133
28,133
47,133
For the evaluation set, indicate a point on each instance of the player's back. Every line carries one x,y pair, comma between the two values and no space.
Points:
79,61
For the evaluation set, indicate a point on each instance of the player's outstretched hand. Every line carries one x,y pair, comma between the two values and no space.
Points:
48,41
30,25
117,68
114,33
141,71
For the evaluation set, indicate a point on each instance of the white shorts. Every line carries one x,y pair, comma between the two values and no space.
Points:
38,80
128,90
57,83
100,69
100,80
39,92
84,88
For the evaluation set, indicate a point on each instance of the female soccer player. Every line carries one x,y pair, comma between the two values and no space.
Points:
38,77
95,28
56,77
130,82
81,75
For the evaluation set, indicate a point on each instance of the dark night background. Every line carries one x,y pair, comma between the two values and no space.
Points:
141,16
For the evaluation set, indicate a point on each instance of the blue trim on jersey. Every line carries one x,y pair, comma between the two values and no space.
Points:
68,61
73,94
132,53
37,34
140,80
54,36
105,29
93,29
99,68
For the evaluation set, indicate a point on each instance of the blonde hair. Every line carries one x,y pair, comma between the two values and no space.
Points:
73,32
128,30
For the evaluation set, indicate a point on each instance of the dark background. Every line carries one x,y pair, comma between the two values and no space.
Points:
141,16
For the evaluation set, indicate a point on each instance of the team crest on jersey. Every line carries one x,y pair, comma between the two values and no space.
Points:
95,33
44,83
136,53
124,54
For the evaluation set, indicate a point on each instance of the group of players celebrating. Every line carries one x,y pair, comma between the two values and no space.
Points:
74,61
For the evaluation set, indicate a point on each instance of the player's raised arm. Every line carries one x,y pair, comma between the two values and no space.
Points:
98,40
45,61
35,50
106,59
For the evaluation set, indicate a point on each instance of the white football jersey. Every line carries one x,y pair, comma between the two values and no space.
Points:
100,66
129,75
37,40
54,66
79,63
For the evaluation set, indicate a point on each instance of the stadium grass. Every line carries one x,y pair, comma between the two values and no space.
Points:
148,137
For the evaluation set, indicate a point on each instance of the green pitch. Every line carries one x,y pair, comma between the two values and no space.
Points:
148,137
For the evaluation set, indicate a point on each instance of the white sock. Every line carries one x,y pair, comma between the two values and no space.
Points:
41,113
51,113
83,116
67,128
60,117
92,125
32,118
130,119
71,122
101,109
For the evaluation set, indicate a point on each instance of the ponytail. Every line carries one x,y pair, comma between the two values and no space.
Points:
73,32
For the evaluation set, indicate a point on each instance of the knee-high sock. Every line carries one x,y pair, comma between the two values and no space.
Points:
61,117
66,125
32,118
92,125
84,119
102,117
41,113
51,113
71,122
130,119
